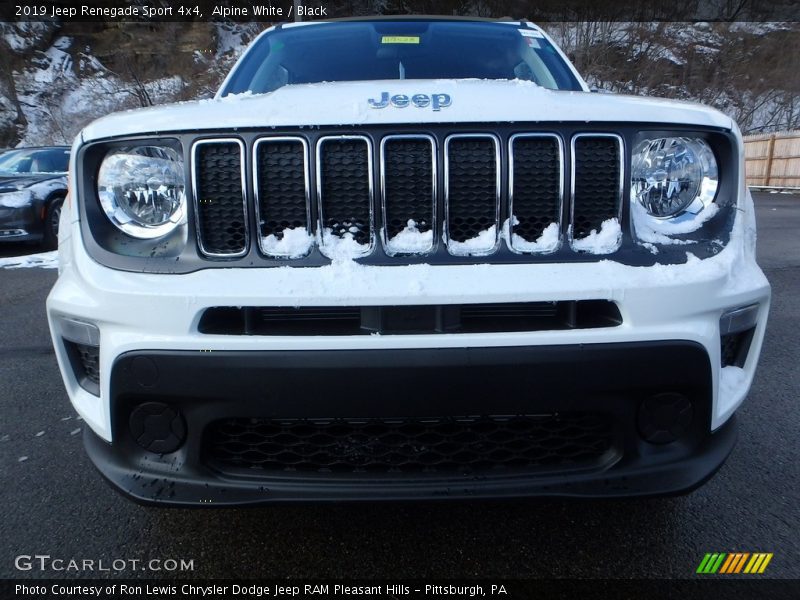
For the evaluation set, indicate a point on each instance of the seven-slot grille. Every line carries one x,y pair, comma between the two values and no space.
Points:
326,191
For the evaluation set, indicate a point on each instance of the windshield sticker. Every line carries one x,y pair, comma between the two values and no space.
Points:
531,33
400,39
533,43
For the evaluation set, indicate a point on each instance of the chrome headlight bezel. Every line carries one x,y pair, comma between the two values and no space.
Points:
142,189
671,175
700,216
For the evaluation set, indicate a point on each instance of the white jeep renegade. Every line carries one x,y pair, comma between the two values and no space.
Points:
408,258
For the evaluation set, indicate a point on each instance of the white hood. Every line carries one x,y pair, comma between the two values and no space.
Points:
472,101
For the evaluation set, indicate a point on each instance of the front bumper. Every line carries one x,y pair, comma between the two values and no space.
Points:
611,380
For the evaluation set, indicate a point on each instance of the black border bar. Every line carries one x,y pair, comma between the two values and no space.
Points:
272,11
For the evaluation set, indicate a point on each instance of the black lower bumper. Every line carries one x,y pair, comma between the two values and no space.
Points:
547,384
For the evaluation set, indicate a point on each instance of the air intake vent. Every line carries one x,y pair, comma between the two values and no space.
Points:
345,193
597,184
424,319
409,445
735,346
408,169
536,191
219,197
472,171
282,195
85,362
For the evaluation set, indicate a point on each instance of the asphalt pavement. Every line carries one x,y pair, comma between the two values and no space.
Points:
54,503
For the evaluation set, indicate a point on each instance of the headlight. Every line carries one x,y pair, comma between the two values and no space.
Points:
15,187
16,199
142,190
672,175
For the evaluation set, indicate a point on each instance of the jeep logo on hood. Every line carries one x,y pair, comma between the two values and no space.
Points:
435,101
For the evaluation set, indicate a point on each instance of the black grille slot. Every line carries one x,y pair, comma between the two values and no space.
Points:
220,206
345,177
536,185
446,445
472,188
408,179
734,347
596,197
423,319
282,193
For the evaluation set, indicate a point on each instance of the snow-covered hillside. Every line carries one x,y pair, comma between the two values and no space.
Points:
61,82
54,79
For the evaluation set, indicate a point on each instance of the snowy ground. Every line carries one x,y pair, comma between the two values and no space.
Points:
44,260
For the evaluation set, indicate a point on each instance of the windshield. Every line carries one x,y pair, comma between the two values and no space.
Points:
377,50
34,162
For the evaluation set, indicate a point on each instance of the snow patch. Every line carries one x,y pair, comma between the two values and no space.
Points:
659,231
295,242
411,240
482,243
45,260
231,37
605,241
546,242
341,248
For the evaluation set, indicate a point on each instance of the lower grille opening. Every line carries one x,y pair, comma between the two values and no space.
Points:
426,319
85,361
442,445
734,347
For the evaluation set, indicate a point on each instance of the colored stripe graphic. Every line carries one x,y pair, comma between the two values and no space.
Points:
734,562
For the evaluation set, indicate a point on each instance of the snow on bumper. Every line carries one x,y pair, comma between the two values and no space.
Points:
161,312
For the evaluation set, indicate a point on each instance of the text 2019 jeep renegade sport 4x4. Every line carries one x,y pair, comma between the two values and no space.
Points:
408,258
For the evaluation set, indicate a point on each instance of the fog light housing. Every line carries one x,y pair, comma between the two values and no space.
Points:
665,418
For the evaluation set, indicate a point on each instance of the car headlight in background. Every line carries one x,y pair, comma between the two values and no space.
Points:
142,190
